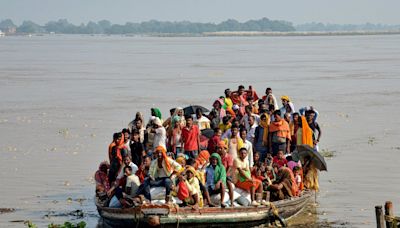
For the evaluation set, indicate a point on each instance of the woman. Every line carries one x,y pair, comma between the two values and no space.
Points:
294,126
175,136
101,178
220,112
285,187
310,175
192,183
261,136
244,179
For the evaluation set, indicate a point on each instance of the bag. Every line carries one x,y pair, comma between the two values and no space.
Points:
183,191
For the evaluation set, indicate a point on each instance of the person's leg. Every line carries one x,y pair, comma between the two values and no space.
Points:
230,188
168,185
252,192
222,192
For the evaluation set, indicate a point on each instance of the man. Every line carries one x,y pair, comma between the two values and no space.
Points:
251,133
245,120
216,178
127,162
234,142
127,136
191,138
310,116
270,99
227,162
279,134
118,191
214,140
161,173
248,145
160,134
137,148
227,100
201,121
287,106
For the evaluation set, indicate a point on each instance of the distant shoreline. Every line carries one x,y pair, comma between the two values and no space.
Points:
231,34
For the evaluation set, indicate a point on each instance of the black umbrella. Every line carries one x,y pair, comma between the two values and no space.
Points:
305,150
189,110
207,133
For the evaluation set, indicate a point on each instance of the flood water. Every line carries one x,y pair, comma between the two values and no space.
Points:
62,98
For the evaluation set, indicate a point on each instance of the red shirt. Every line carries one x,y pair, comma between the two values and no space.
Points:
190,137
227,161
212,143
280,163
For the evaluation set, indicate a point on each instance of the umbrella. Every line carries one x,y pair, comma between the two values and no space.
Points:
207,133
318,160
189,110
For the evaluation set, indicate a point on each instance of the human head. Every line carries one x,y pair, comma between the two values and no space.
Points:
280,154
217,131
161,153
225,120
240,89
289,158
268,91
262,108
135,136
221,148
243,133
126,133
295,117
127,160
172,111
181,160
199,113
234,130
117,137
257,157
147,161
249,109
287,117
285,100
127,170
277,115
251,120
157,122
138,123
263,117
189,174
190,161
104,166
310,114
296,170
189,120
227,93
243,153
213,161
217,104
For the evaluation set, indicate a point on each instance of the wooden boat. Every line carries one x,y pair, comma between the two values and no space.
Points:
175,216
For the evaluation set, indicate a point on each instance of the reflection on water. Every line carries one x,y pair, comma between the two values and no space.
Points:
62,98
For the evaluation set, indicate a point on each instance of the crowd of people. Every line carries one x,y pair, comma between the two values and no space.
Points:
249,148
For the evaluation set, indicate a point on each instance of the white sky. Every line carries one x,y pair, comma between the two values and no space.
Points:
121,11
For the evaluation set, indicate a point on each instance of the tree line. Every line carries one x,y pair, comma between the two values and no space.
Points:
62,26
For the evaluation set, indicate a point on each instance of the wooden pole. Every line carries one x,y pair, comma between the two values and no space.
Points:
388,211
380,220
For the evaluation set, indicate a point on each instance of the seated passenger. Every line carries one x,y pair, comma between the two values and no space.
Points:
127,162
285,187
191,180
280,159
244,179
143,171
216,178
101,178
161,171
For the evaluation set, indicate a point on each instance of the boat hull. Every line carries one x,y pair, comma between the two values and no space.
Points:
166,216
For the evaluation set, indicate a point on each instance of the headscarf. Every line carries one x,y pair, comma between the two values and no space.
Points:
157,112
306,132
175,117
286,176
157,121
180,159
202,158
165,157
219,171
140,116
265,125
193,171
285,97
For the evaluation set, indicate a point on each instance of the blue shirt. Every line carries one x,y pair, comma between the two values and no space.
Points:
210,177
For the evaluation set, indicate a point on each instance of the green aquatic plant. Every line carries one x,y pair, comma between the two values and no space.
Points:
327,153
81,224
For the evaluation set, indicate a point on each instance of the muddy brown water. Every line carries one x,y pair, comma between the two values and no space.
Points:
62,97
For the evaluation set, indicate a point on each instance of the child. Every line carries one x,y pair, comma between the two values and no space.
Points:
297,176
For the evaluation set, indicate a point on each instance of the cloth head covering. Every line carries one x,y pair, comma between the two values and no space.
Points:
219,171
222,144
165,157
193,171
157,112
157,121
104,166
180,159
287,174
235,107
175,117
202,158
285,97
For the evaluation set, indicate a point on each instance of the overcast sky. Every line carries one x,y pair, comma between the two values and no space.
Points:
121,11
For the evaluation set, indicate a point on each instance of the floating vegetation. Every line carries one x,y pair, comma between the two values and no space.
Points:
6,210
371,140
81,224
64,132
327,153
395,147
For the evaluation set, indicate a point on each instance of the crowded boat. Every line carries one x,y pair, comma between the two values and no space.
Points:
242,152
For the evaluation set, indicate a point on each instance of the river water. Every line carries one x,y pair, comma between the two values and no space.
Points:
62,98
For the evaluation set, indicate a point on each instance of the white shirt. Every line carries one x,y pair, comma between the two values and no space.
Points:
133,182
251,133
160,138
249,147
202,123
134,169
